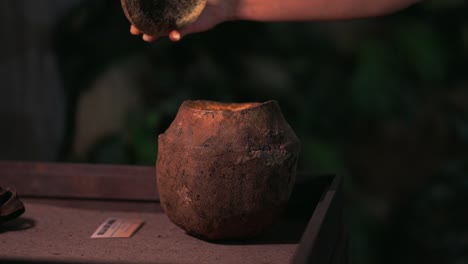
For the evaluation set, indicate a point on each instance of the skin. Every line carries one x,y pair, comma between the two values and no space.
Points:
219,11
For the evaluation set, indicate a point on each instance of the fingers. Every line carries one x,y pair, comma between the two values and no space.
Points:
149,38
173,35
136,32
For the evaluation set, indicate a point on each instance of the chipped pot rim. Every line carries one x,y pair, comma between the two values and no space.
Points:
218,106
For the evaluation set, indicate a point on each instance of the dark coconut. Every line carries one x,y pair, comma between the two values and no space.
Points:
226,171
159,17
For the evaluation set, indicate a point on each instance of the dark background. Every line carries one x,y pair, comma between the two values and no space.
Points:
381,101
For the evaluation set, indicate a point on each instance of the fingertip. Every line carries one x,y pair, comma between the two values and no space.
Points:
148,38
134,30
175,35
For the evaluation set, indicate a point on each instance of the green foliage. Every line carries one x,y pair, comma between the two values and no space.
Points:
324,156
422,47
376,84
437,218
143,136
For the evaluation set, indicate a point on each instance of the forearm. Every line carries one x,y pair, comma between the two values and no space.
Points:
300,10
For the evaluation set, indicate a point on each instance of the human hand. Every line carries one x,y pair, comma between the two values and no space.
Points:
214,13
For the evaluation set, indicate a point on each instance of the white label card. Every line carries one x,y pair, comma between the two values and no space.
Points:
117,228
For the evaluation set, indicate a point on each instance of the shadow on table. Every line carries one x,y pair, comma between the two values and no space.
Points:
307,192
18,224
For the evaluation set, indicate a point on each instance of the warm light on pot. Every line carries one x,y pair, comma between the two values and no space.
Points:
226,170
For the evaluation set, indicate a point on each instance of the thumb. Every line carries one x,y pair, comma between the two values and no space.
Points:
204,22
189,29
176,35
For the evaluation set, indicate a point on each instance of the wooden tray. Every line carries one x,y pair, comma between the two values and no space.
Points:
65,203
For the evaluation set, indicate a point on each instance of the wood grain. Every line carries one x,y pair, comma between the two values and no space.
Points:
84,181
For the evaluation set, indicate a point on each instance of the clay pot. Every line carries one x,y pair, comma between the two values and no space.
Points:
226,171
159,17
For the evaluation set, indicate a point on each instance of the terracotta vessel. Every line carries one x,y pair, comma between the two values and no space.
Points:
226,171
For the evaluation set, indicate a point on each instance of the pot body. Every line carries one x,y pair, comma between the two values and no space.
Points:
226,171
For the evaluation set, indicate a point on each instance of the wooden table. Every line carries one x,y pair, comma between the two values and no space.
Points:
65,203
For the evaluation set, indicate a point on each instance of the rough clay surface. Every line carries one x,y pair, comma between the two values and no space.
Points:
226,174
159,17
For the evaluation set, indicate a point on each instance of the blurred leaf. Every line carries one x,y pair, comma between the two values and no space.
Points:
438,4
375,86
464,38
325,156
462,130
142,127
437,219
422,48
365,230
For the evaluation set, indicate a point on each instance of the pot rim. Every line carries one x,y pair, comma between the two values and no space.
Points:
189,104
